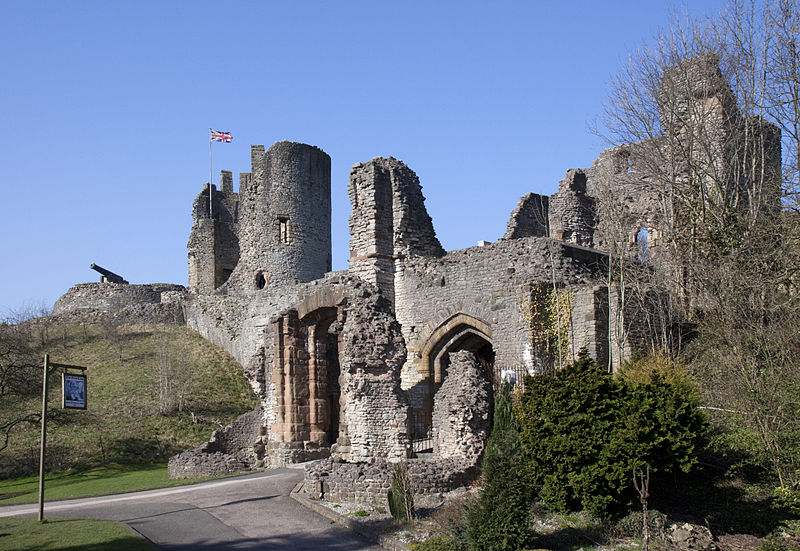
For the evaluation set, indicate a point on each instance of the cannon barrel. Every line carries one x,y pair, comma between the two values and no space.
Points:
108,275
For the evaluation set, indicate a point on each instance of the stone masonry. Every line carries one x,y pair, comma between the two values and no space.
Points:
462,409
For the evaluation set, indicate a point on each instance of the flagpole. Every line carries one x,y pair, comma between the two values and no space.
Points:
210,189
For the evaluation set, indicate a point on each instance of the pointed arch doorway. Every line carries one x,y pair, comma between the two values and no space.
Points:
460,332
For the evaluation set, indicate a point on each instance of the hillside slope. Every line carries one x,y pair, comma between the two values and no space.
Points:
153,391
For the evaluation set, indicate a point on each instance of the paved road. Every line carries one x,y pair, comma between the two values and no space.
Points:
249,512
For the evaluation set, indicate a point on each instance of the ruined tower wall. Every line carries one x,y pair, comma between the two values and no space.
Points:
625,200
285,211
572,211
388,221
214,243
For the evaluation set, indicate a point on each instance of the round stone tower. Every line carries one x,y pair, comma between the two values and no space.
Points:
284,217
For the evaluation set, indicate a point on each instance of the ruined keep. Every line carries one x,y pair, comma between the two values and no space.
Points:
396,358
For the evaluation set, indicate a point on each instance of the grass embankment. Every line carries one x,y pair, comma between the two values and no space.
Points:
153,391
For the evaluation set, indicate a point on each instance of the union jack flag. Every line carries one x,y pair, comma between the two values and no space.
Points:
217,136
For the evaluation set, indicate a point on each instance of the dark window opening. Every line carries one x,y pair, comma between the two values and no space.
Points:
261,279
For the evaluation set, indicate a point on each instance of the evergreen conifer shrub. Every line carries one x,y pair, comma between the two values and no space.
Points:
499,518
583,432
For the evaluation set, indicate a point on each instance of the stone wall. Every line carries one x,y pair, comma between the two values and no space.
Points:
530,218
122,303
572,211
478,288
335,480
372,353
214,243
234,448
280,336
625,200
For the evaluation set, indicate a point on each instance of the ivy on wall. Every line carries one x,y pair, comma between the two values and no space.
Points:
547,313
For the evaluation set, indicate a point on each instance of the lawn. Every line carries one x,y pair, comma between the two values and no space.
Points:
22,534
111,479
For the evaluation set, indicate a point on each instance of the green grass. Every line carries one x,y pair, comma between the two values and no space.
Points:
23,534
106,480
128,419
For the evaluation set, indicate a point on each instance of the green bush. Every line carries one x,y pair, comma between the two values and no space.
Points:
630,526
499,518
583,433
437,543
789,498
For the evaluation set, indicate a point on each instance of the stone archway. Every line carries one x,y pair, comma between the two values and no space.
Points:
461,332
323,375
306,374
334,375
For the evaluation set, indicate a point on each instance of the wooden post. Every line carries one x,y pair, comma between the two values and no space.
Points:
44,439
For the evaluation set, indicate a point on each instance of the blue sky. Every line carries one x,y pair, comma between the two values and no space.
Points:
106,108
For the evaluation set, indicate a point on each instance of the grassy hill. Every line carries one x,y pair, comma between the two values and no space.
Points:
153,391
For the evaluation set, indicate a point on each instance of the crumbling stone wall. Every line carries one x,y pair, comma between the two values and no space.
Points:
234,448
627,188
369,482
372,354
214,243
388,221
625,199
572,211
122,303
481,284
372,412
530,218
280,336
461,410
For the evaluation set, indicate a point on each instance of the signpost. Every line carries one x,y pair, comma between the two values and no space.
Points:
73,395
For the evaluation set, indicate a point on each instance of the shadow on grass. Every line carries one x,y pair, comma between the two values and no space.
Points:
336,538
568,538
26,534
724,507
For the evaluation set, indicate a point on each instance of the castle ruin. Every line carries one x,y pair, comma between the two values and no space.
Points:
396,358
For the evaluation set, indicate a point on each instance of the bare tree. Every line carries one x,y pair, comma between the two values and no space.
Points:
703,117
20,377
172,377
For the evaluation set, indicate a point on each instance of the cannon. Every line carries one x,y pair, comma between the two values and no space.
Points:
108,275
